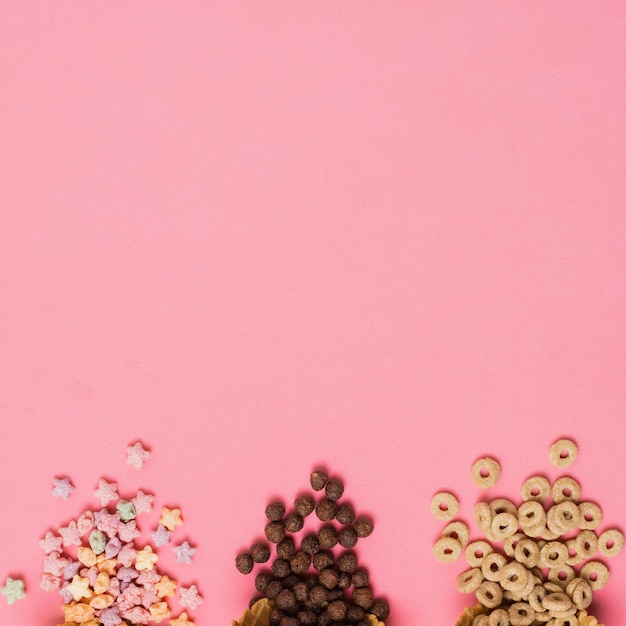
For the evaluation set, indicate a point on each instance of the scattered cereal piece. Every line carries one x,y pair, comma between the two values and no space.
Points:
457,530
563,453
143,502
181,620
536,488
166,587
13,590
137,455
170,518
184,552
62,488
444,506
447,549
51,543
189,597
159,611
161,536
70,534
126,510
485,472
106,492
79,588
146,558
611,542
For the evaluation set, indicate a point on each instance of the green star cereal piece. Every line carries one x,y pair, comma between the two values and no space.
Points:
97,541
13,590
126,510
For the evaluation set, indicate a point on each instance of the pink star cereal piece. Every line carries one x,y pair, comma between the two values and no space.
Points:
170,518
143,502
137,615
85,522
51,543
149,597
49,582
182,620
54,563
137,455
70,534
146,558
127,554
106,492
62,488
149,577
184,552
189,597
109,523
161,536
129,531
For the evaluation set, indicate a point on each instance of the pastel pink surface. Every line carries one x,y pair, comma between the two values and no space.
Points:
385,238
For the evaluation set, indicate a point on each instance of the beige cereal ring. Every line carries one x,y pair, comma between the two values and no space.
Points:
553,554
611,542
531,514
557,602
447,549
502,505
536,488
498,617
504,525
485,472
563,453
489,594
470,580
561,575
510,543
527,553
590,515
476,552
595,573
514,577
492,566
521,614
444,505
563,517
457,530
566,488
483,516
586,544
580,592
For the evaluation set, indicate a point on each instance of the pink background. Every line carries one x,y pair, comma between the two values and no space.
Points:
387,238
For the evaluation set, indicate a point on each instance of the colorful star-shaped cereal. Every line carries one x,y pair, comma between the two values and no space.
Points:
181,620
170,518
13,590
126,510
184,552
137,455
78,612
62,488
51,543
166,587
106,492
79,588
70,534
161,536
189,597
159,611
54,563
143,502
146,558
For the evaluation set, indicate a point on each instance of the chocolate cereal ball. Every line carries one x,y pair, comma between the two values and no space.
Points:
318,480
274,511
260,552
304,505
244,563
334,490
326,510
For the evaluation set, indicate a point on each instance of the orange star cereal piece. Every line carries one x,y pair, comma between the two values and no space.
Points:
170,518
78,612
159,611
181,620
145,559
166,587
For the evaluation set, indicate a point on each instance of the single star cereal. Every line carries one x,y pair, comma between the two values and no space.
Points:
146,558
170,518
184,552
106,492
51,543
62,488
182,620
161,536
137,455
189,597
13,590
143,502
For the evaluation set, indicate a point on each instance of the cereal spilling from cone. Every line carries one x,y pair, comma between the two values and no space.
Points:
318,580
539,561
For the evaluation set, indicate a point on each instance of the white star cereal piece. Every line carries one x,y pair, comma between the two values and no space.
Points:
106,492
137,455
62,488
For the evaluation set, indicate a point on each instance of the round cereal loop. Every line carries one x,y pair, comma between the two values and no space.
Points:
447,549
492,566
457,530
563,517
553,554
590,515
536,596
572,620
566,488
470,580
444,506
489,594
504,525
514,577
595,573
510,543
572,549
536,488
485,472
561,575
586,544
498,617
483,516
557,602
611,542
527,553
580,592
563,453
502,505
531,514
481,620
476,552
521,614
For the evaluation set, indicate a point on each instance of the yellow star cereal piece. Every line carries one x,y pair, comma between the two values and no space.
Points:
79,588
86,556
170,518
145,559
102,583
106,565
102,601
166,587
159,611
181,620
78,612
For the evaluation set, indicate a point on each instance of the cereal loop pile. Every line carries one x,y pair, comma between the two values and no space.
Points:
540,560
317,581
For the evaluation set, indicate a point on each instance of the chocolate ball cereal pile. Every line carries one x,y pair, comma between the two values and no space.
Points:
540,560
316,581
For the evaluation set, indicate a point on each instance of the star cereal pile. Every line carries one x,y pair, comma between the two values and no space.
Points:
317,581
105,573
540,560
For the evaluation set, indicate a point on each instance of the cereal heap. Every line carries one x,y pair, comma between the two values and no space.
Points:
104,577
537,562
312,583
